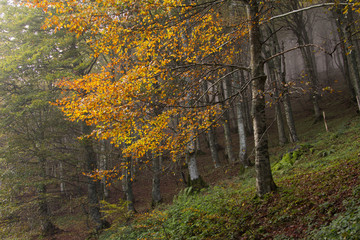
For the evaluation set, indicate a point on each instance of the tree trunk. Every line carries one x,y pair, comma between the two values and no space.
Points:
127,184
278,112
350,53
195,181
287,101
155,192
264,179
279,118
310,70
226,121
93,195
61,174
246,113
211,133
298,28
47,227
345,69
103,166
213,146
241,125
242,136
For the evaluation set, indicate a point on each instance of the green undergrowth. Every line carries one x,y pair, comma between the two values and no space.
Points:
317,198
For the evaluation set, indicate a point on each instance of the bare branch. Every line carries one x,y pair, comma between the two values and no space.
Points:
307,8
238,67
294,48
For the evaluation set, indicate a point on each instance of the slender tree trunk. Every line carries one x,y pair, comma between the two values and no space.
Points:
103,166
290,118
298,27
264,179
227,133
278,112
127,184
211,133
287,101
345,64
47,227
226,121
279,118
155,192
350,53
311,72
61,174
245,96
241,125
232,112
195,181
192,166
242,136
213,146
93,195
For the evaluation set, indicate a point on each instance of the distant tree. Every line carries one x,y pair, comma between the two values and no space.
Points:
346,26
299,25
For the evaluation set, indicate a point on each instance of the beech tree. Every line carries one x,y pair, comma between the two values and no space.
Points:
153,50
146,37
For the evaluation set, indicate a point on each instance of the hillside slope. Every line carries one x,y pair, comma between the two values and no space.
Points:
317,198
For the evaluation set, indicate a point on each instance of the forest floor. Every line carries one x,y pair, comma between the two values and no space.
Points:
312,189
317,198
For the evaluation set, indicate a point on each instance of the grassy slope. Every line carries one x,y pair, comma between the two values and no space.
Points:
321,187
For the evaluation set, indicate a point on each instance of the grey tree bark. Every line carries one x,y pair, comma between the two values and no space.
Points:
345,31
211,133
62,182
243,158
127,184
279,65
343,63
264,179
103,166
278,113
286,97
195,180
246,105
226,93
288,112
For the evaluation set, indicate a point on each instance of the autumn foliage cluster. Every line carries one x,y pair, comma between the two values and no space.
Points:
158,54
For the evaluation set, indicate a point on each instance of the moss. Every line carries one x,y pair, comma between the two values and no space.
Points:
197,184
289,158
286,161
